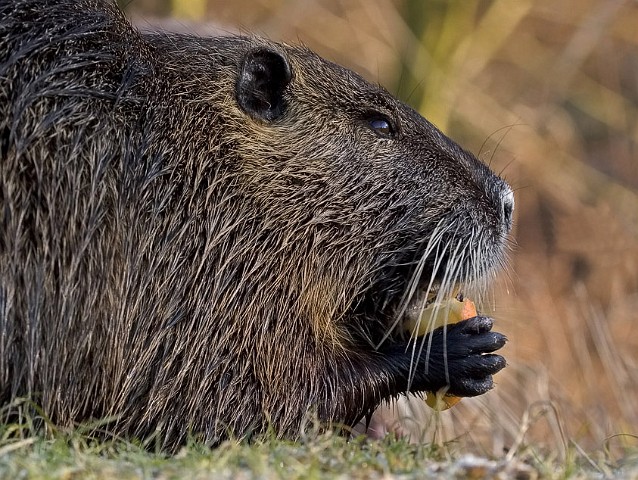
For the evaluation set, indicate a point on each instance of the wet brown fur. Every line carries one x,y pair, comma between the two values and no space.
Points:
169,259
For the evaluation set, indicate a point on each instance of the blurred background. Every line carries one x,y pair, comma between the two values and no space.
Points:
546,92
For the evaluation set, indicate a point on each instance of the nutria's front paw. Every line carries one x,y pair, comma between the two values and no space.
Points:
465,365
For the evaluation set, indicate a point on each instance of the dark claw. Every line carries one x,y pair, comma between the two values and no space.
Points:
472,336
483,365
487,343
472,387
498,363
476,325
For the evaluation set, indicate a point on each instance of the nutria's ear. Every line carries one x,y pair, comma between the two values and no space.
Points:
263,77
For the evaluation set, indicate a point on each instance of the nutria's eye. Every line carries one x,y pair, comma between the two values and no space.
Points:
382,126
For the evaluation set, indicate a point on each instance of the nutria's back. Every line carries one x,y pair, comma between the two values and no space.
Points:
219,235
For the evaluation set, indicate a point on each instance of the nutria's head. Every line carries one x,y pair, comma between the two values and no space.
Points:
364,201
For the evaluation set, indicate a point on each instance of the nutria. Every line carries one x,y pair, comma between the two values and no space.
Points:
220,236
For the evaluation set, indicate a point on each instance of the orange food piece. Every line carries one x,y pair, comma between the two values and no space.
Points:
468,310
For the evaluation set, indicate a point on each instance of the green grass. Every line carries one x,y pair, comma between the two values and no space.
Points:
73,455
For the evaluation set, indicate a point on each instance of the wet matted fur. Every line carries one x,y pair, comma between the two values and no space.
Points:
222,235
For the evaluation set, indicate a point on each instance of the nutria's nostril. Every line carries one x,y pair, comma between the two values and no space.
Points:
507,206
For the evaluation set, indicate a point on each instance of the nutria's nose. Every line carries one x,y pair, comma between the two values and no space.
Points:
507,206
